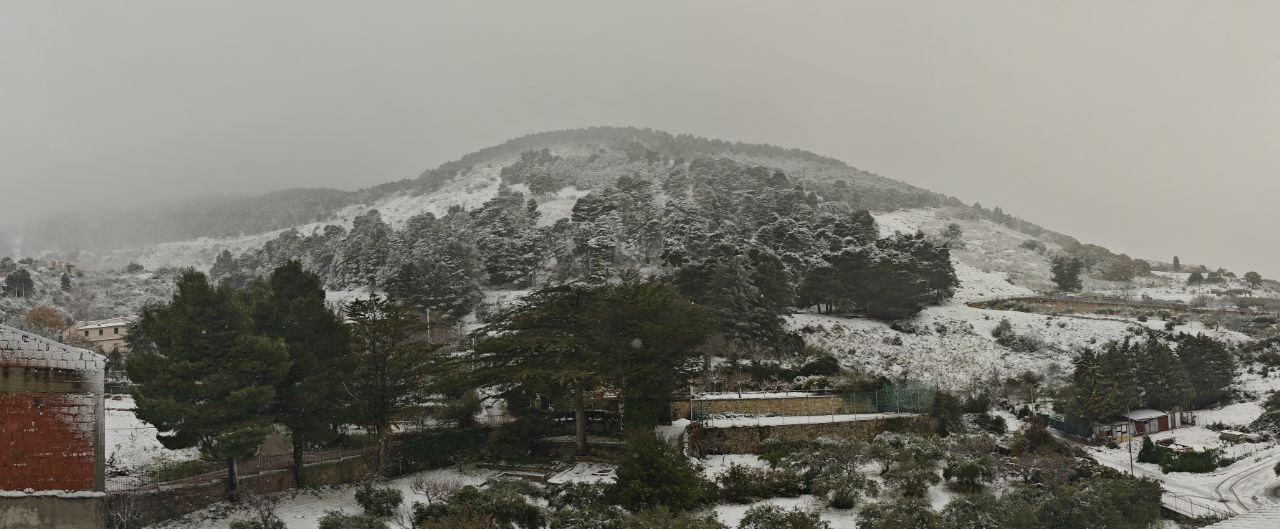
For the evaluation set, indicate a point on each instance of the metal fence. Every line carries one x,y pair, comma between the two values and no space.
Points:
248,467
1194,507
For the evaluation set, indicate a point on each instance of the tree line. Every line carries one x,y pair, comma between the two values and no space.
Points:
1187,372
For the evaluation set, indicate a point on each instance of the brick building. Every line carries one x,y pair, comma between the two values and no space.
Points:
51,434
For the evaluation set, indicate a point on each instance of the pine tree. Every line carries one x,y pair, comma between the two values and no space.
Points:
543,341
1092,396
649,335
1066,273
1169,383
393,360
310,399
1210,366
18,284
204,379
1254,279
1177,265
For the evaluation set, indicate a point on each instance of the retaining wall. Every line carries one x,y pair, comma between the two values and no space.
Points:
748,439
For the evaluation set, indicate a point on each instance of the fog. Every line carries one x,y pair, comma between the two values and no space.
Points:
1149,127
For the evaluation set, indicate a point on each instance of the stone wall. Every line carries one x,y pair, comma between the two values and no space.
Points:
52,512
747,439
808,405
164,503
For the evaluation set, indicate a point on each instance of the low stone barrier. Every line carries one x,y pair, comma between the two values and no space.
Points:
747,439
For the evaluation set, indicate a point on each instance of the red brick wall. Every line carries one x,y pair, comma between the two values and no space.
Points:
47,441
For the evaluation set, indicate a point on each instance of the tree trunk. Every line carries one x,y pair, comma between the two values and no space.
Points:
377,460
298,480
233,481
580,419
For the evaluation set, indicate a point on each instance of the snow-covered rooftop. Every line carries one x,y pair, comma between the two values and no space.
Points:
1143,415
23,349
755,395
95,324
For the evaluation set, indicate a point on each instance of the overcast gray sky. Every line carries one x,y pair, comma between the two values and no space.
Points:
1152,127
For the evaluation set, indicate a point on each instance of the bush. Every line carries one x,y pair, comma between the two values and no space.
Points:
662,518
338,520
581,506
743,484
906,512
991,423
774,517
1148,452
969,474
264,518
843,485
378,501
430,450
503,502
653,472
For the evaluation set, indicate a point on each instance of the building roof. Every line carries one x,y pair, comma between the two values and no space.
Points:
1265,517
23,349
1143,415
96,324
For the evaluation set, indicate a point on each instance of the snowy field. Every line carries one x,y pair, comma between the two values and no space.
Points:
303,509
131,444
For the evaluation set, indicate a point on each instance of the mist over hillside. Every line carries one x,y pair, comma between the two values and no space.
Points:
223,216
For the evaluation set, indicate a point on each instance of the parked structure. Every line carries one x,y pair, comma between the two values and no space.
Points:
51,434
1137,422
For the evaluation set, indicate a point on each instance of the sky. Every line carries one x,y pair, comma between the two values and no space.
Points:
1150,127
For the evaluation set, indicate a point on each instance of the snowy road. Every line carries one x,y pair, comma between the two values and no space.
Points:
1238,488
1250,487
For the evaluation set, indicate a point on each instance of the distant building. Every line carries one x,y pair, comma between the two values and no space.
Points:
1134,423
51,434
103,336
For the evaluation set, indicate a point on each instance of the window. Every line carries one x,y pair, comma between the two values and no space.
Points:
86,333
99,332
116,330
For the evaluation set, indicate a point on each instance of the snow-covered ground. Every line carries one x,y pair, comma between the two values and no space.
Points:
1240,487
302,509
986,246
131,444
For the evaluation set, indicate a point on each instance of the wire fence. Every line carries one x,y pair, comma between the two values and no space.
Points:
1194,507
246,468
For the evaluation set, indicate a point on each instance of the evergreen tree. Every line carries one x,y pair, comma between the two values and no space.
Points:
362,255
1253,278
1066,273
1177,265
1209,365
204,379
1169,385
443,283
1091,396
654,473
18,284
393,364
310,398
649,335
66,282
543,341
727,287
224,266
